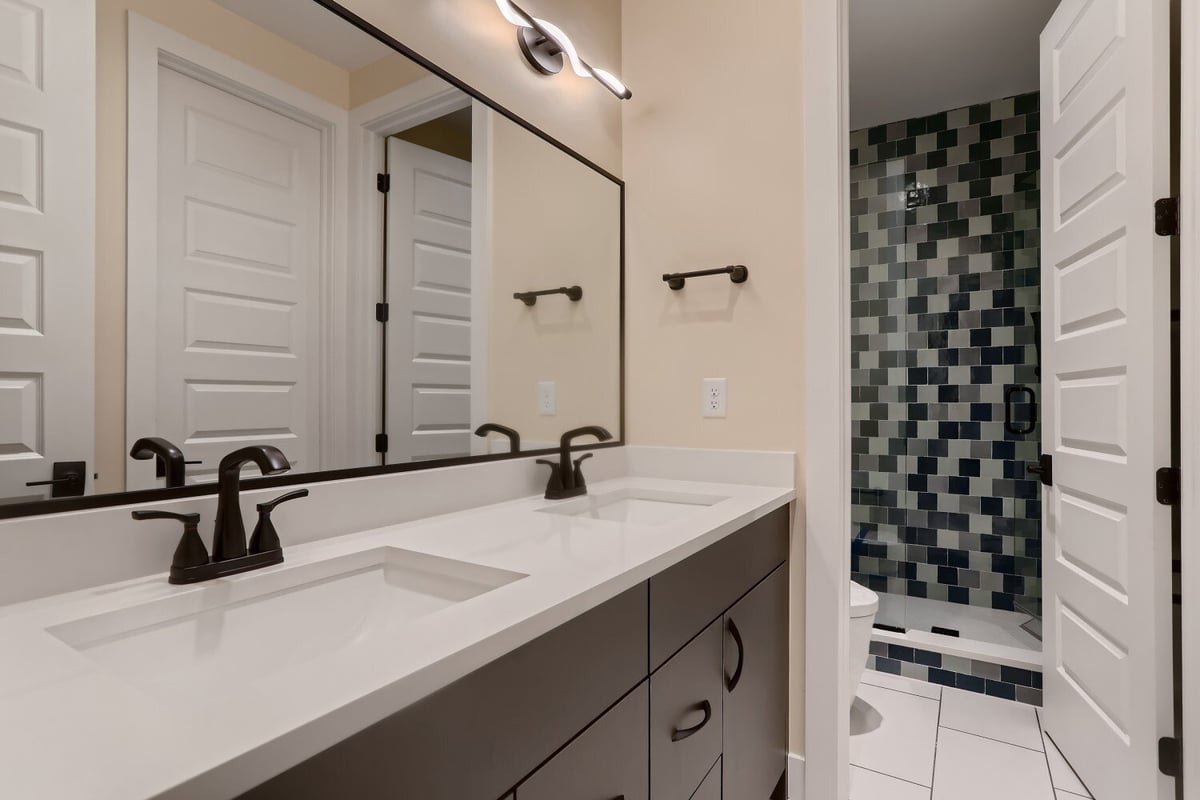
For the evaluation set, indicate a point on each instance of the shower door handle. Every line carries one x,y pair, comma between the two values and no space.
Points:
1009,424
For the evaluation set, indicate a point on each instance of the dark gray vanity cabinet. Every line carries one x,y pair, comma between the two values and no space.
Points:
685,717
634,699
610,759
711,788
756,690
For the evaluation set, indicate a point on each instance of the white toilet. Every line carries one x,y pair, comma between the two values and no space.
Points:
863,605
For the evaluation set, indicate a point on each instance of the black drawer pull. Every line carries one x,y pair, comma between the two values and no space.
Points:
682,733
731,683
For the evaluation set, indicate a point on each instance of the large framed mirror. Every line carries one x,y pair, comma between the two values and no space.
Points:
315,240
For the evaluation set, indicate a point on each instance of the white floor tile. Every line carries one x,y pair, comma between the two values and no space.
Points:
1003,720
894,733
1059,794
1061,774
984,769
867,785
899,683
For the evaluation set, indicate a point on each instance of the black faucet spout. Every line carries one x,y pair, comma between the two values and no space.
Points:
229,536
571,484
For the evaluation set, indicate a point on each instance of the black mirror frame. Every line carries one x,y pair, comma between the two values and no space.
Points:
64,505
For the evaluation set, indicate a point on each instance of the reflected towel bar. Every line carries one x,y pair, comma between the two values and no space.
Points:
736,273
574,293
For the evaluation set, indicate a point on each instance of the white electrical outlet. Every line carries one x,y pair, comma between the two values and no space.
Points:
714,399
547,398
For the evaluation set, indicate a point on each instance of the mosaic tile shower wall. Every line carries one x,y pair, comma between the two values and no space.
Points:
945,386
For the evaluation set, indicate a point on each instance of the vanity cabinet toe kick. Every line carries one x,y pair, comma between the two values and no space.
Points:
674,689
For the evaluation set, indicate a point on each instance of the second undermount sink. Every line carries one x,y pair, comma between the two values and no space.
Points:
240,632
635,506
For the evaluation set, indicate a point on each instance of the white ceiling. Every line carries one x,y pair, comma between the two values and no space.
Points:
909,58
313,28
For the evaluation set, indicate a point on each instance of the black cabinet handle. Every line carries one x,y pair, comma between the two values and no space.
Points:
1009,424
732,682
680,734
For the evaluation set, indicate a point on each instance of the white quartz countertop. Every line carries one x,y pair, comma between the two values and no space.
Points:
70,727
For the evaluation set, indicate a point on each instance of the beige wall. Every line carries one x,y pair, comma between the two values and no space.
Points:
555,222
471,40
712,159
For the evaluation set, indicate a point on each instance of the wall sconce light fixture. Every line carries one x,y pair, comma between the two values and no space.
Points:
547,48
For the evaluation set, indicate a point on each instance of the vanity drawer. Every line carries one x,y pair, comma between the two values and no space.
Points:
610,759
476,738
693,593
685,740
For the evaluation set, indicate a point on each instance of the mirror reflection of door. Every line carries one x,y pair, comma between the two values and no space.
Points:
47,245
239,201
428,279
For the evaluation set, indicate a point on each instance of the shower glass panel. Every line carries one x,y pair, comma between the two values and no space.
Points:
946,521
880,389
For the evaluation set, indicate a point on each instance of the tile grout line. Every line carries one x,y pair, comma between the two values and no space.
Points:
1046,752
893,777
992,739
1046,736
937,734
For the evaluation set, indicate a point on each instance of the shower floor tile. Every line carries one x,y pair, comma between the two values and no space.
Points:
905,745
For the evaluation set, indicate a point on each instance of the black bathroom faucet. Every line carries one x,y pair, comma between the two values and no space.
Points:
191,563
170,463
514,438
229,535
566,478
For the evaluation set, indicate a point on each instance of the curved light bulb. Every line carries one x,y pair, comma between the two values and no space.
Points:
519,18
514,16
613,83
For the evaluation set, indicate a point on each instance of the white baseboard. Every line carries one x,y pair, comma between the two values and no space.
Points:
795,777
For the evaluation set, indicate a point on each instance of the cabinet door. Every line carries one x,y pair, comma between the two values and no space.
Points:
711,788
756,690
610,759
685,717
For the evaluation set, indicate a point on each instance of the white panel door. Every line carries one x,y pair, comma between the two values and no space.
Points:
47,240
1106,302
239,203
429,292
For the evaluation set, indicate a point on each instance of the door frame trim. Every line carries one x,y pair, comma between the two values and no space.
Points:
151,46
825,44
1189,382
370,124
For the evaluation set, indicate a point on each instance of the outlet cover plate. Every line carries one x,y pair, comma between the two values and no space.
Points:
714,398
547,398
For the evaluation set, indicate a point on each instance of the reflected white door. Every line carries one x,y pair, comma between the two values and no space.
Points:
47,240
429,294
1106,302
239,204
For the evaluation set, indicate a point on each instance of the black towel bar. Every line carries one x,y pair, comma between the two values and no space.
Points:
736,273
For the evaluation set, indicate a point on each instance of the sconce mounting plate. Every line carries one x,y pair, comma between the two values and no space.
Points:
540,51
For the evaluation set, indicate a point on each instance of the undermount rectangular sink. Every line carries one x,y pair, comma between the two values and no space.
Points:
635,506
240,632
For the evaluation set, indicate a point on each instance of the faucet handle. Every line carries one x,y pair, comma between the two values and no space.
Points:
265,538
579,482
556,476
191,551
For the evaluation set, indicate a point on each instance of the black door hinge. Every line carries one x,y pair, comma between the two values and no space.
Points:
1044,469
381,443
1170,756
383,182
382,312
1167,486
1166,216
